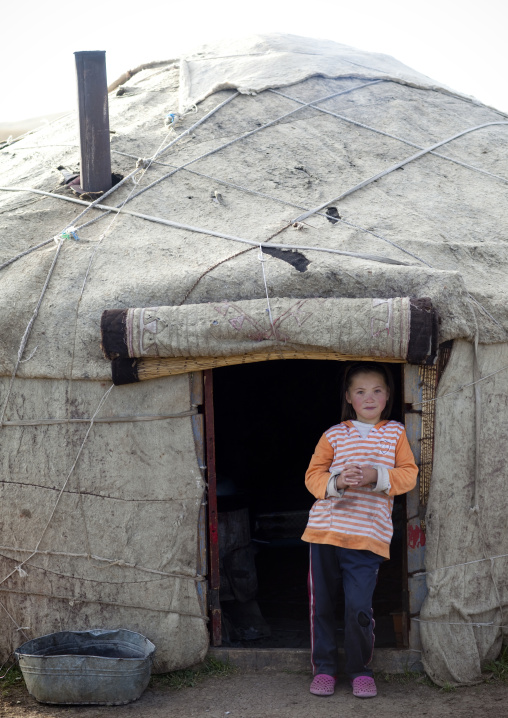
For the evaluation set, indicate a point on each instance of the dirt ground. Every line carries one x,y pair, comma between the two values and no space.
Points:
280,695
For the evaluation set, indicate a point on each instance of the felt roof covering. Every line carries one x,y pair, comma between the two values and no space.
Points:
327,120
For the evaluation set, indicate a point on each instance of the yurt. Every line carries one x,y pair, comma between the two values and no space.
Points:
172,349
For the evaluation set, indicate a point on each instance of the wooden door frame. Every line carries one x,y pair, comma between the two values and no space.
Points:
415,584
420,390
419,384
213,519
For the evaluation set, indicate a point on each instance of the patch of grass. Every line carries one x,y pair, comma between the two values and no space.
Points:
216,668
408,677
189,677
447,688
401,678
12,678
499,668
297,672
424,680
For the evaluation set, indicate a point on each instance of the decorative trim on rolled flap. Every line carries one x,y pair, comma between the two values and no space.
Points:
423,333
113,333
124,371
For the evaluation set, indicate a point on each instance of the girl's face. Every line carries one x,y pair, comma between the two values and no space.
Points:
368,395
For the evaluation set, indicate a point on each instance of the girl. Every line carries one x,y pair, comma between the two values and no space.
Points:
357,468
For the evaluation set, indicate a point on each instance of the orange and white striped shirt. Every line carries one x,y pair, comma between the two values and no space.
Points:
362,517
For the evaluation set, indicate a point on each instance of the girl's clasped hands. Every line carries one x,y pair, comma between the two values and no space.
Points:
356,475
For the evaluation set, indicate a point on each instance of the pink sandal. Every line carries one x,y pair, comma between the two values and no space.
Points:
364,687
323,685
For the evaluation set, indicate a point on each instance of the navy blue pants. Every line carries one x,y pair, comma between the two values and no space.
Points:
332,568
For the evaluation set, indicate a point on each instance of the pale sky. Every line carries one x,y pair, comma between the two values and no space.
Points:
458,43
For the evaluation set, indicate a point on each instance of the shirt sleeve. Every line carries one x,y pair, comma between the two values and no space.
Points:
403,476
318,474
331,488
383,479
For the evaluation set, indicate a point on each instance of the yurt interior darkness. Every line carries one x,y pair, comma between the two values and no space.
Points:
268,418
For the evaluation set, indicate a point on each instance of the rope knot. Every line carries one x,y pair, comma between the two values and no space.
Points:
69,233
171,119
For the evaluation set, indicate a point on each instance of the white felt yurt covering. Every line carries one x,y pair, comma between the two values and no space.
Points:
100,520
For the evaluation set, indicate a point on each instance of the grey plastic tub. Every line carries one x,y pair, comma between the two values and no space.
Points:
97,667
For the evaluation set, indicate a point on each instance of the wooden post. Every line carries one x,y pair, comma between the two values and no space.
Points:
95,170
198,431
213,519
417,585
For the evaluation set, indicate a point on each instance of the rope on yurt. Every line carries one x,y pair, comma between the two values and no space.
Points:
285,202
108,561
41,147
18,568
473,624
59,239
289,247
99,407
394,167
96,202
475,508
28,330
213,233
456,391
269,309
393,137
254,244
488,314
227,259
309,212
130,176
102,419
341,219
72,600
422,574
314,105
322,214
243,137
27,251
164,149
88,207
476,169
18,627
325,111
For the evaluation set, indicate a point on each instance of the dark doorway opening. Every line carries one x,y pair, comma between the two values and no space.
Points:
268,419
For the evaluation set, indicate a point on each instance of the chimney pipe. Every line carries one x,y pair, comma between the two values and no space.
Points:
95,175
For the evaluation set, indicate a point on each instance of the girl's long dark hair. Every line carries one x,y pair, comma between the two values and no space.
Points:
348,413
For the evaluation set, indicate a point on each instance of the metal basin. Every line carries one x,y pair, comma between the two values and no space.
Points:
97,667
